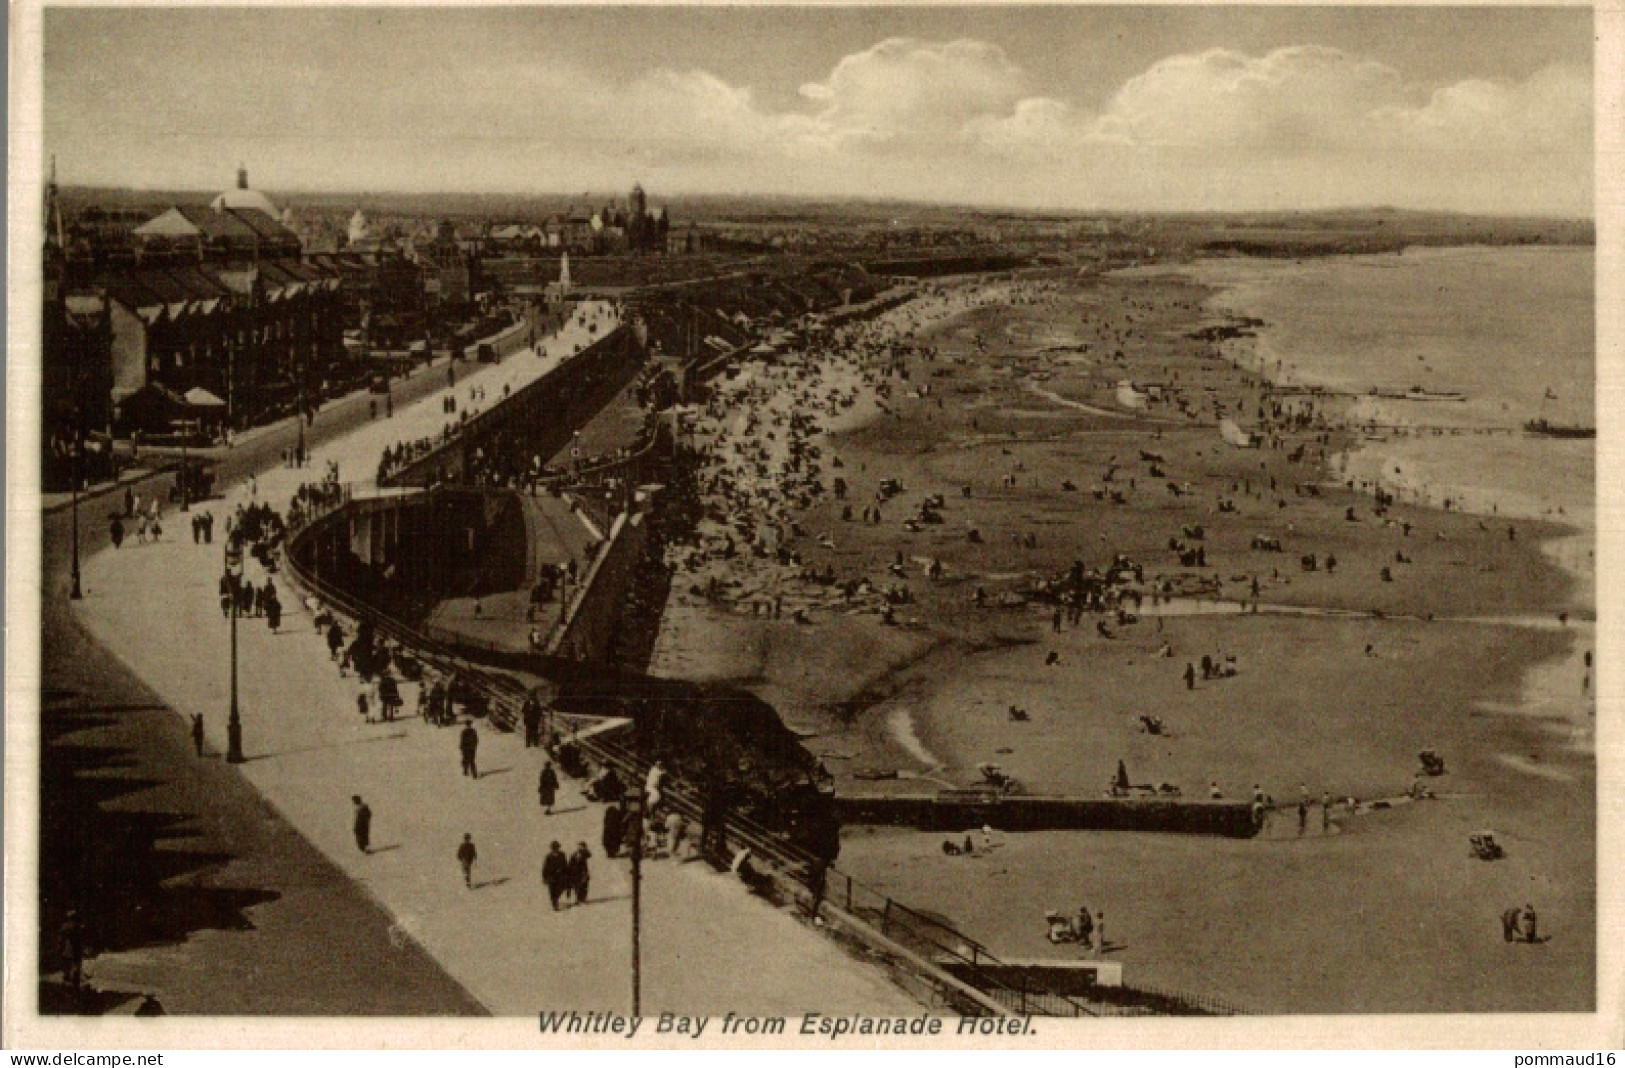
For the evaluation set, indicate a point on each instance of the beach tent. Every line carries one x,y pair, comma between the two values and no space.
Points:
1128,396
1236,436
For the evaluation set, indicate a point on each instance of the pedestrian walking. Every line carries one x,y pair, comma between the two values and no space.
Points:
578,873
1303,817
614,829
466,856
1325,813
555,874
1509,923
547,788
1190,675
1530,930
531,714
115,530
363,824
197,733
389,696
468,743
361,706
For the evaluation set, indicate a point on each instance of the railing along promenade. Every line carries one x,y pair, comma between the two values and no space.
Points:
914,948
438,457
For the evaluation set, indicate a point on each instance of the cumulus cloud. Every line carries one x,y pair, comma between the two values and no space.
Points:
1309,125
1297,127
905,90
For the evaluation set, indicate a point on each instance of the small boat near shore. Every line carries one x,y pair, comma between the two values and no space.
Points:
1544,428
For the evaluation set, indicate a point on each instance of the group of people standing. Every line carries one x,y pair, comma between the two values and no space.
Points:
148,521
249,599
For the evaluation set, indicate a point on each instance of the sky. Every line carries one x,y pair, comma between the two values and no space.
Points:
1083,107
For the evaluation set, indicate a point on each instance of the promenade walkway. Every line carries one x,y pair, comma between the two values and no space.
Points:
708,946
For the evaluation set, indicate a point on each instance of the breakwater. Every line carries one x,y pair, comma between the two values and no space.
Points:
963,810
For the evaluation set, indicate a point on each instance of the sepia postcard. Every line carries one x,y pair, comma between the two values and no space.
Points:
978,526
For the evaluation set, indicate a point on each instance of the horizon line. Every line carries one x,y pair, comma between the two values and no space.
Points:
835,198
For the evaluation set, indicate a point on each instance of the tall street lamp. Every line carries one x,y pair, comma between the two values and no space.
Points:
234,722
185,487
78,470
635,812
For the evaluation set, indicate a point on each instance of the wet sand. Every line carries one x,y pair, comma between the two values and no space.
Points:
1391,915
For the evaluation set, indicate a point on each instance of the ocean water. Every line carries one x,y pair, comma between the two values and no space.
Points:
1511,328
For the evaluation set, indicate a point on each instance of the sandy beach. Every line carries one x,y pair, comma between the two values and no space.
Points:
1021,428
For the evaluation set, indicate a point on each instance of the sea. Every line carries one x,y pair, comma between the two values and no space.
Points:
1512,331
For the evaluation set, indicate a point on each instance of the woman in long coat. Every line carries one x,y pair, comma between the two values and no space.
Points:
578,873
547,788
614,829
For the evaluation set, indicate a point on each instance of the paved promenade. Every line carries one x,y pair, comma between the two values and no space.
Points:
708,946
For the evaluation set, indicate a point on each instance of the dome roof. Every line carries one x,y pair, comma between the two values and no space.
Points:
245,200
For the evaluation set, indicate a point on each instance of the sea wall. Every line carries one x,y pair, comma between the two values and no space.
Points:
544,413
589,627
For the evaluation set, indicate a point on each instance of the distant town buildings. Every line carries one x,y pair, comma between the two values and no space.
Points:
232,310
200,316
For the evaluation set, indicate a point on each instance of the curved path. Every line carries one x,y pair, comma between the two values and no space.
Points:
708,946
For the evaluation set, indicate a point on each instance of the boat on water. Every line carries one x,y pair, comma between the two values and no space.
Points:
1546,429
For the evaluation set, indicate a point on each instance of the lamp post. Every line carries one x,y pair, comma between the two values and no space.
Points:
234,722
186,491
635,813
76,593
299,415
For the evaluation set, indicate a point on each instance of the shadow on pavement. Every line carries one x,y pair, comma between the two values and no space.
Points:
127,871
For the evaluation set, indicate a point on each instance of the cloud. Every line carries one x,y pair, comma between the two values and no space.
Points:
1302,126
1293,97
904,90
1307,126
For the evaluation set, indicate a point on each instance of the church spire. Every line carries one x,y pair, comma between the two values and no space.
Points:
53,210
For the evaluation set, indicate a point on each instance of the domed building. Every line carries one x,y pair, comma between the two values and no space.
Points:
222,298
244,199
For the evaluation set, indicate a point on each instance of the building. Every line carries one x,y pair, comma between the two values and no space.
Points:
216,301
645,231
